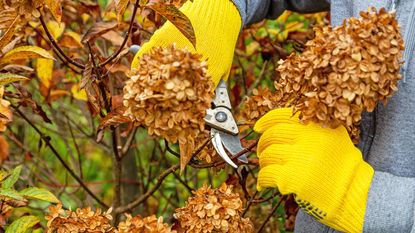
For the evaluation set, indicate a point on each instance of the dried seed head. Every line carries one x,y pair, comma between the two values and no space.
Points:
81,220
150,224
262,101
344,71
213,210
169,94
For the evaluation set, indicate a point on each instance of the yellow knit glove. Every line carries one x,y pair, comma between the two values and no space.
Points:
216,23
321,166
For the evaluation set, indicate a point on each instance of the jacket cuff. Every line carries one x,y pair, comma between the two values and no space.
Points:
253,11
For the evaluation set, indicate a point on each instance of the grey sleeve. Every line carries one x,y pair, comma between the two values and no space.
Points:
390,205
253,11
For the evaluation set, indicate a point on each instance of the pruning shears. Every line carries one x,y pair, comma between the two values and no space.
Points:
224,130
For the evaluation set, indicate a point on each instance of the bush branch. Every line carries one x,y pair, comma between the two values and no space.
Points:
127,36
57,47
150,192
46,139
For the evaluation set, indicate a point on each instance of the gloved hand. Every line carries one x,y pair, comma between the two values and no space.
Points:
320,166
216,23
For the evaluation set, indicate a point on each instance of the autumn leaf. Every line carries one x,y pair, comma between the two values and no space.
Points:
4,149
186,150
6,78
55,28
56,94
8,34
21,225
71,40
120,7
77,93
44,70
25,52
55,6
177,18
11,193
39,194
115,117
97,30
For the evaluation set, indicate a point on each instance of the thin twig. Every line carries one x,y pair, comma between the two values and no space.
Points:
239,154
129,142
183,182
57,47
150,192
77,149
249,204
46,139
127,36
270,215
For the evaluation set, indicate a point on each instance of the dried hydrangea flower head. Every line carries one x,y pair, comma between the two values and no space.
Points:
150,224
82,220
169,94
344,71
213,210
262,101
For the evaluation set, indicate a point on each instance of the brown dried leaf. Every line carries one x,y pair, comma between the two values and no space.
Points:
97,30
4,149
177,18
114,118
55,6
8,34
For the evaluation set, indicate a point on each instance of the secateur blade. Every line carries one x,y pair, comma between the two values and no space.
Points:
217,144
233,145
224,130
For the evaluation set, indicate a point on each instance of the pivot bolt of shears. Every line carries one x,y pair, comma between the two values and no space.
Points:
221,117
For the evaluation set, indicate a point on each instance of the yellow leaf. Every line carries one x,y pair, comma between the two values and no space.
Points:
71,39
284,16
44,70
85,17
55,6
252,48
78,94
25,52
55,28
6,78
120,7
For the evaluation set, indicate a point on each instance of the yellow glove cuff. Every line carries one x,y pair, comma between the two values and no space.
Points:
216,24
352,212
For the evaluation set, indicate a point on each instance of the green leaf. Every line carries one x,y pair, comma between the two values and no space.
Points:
6,78
25,52
40,194
22,224
12,179
11,193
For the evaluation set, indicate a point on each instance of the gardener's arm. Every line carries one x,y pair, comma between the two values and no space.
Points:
254,11
391,204
217,24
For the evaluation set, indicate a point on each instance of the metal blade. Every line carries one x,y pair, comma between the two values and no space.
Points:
217,143
233,145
